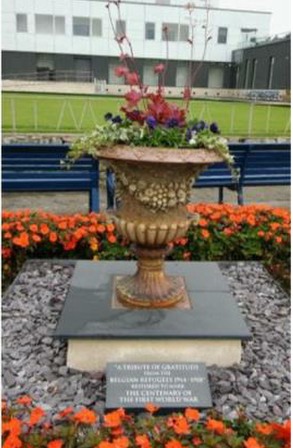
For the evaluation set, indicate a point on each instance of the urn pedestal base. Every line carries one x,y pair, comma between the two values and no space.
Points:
210,329
150,287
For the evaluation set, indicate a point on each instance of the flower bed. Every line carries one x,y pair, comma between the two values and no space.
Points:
25,425
224,232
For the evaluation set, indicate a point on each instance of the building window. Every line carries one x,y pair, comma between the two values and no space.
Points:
150,78
59,24
271,72
120,28
222,35
113,79
81,26
183,33
181,75
44,24
171,33
96,27
21,23
150,31
45,61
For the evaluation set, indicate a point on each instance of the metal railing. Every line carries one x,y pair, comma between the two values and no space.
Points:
51,113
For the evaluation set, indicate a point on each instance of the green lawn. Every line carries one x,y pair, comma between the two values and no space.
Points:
27,112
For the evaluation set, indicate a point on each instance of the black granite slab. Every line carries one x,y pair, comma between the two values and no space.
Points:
170,386
88,310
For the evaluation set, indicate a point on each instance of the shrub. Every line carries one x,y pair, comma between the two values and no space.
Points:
27,426
224,232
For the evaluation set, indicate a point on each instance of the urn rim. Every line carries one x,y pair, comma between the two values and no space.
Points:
159,154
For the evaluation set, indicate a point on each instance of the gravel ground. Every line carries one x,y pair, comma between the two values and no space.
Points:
34,363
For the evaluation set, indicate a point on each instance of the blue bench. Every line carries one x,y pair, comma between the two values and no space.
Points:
37,167
27,167
259,164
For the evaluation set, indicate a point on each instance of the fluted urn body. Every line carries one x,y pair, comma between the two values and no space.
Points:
153,186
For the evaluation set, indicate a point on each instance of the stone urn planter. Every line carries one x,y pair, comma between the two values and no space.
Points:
153,186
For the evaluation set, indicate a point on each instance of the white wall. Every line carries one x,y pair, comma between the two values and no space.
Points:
135,14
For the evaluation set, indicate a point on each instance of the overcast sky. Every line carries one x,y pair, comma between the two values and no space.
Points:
281,10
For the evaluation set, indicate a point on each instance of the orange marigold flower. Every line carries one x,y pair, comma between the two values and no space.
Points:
264,428
173,444
261,233
65,412
283,431
279,239
110,228
151,408
92,228
101,228
53,237
13,426
228,231
7,235
19,227
182,241
111,238
275,225
55,443
203,223
251,220
33,227
216,425
5,225
113,419
69,245
62,225
121,442
205,233
25,400
36,238
192,414
105,444
12,441
143,441
116,432
44,229
36,415
85,416
22,240
181,425
253,443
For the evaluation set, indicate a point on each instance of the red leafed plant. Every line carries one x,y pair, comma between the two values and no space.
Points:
155,106
149,119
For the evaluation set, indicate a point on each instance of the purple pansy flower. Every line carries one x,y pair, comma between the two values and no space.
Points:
151,122
214,128
108,116
117,119
172,123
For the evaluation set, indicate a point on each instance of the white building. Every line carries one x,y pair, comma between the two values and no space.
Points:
54,37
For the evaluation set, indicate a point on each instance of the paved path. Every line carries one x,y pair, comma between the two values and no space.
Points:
78,202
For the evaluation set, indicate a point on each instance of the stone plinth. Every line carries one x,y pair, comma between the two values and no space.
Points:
209,327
